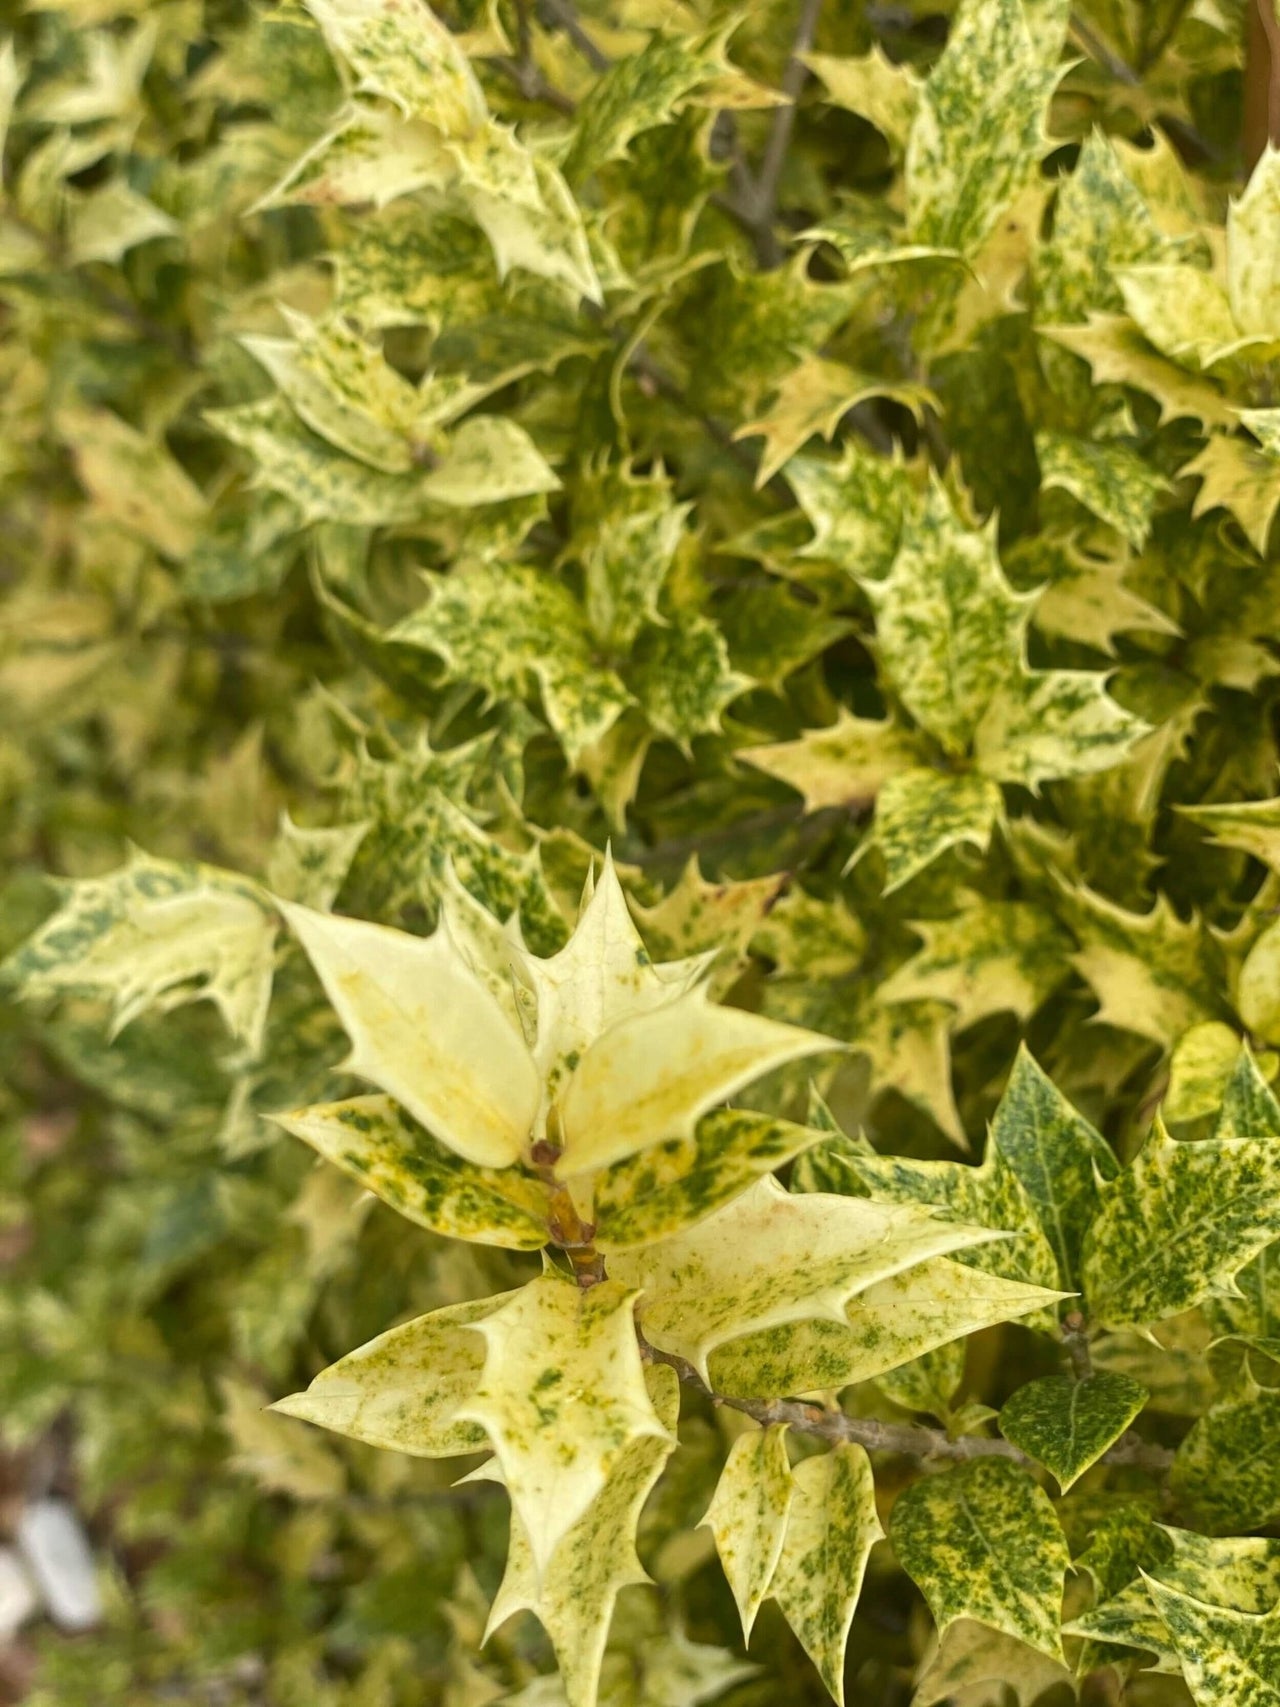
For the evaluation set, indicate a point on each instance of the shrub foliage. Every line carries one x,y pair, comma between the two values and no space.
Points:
649,625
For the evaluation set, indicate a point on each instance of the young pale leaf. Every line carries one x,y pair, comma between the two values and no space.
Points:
1250,1108
406,1389
921,813
846,765
770,1257
400,50
653,1075
680,1181
979,126
375,1141
1250,825
1067,1425
1253,274
1118,354
310,866
499,626
594,1561
994,957
1182,310
562,1396
981,1540
831,1528
1060,1159
1229,1659
891,1322
1227,1471
156,934
812,401
427,1030
884,94
1177,1224
1236,476
748,1516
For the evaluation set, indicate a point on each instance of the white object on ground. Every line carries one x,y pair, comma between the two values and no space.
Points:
56,1551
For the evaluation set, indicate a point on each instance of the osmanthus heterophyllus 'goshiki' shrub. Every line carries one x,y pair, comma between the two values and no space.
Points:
712,569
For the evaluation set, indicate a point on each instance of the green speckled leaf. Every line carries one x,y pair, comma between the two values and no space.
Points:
831,1528
1177,1224
1250,1108
1100,222
893,1321
562,1396
500,627
400,50
1119,354
979,127
995,957
770,1257
683,679
1229,1659
921,813
981,1540
1067,1425
673,1184
311,866
748,1516
856,506
594,1561
406,1389
156,934
1227,1472
1060,1159
1182,310
376,1142
1110,480
626,530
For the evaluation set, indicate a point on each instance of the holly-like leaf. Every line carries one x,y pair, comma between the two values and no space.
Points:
1253,277
406,55
406,1389
427,1030
717,1281
871,85
1067,1425
375,1141
831,1528
627,530
156,934
310,866
1101,222
982,1541
932,1304
1000,957
1118,354
133,480
1062,1162
562,1396
574,1595
979,126
1177,1224
1112,482
1235,475
973,1659
856,506
748,1516
1253,826
1227,1471
501,627
673,1184
811,401
1228,1657
920,813
845,765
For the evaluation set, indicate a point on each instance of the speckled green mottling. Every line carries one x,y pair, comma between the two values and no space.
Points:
748,1516
1067,1425
558,1440
1112,481
994,957
857,505
921,813
683,679
831,1528
154,934
982,1542
375,1141
1229,1658
979,128
1227,1472
1100,222
1178,1223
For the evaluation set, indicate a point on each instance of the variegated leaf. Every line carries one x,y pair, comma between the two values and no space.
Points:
748,1516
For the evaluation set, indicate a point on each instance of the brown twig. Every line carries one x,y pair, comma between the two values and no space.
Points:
1261,81
794,78
909,1439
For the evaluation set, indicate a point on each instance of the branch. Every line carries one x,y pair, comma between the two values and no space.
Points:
766,187
910,1439
561,12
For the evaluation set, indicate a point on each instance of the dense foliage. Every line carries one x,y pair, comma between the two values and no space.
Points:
650,625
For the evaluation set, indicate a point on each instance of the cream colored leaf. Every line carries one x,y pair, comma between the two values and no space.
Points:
133,480
812,400
1236,476
406,1389
653,1074
1118,354
311,866
562,1397
1181,309
400,50
845,765
831,1528
281,1457
426,1029
771,1257
893,1321
748,1516
1253,269
871,85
